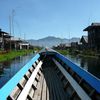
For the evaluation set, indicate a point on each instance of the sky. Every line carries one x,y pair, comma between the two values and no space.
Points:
35,19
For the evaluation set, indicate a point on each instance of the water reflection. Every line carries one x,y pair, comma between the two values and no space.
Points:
91,65
9,68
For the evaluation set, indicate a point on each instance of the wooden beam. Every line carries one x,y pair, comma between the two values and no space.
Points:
81,93
28,85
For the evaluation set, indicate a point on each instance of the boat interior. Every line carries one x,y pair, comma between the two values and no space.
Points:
49,78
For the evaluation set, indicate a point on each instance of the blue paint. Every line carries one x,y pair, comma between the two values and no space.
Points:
89,78
10,85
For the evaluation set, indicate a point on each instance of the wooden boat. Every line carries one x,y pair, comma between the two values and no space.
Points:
51,76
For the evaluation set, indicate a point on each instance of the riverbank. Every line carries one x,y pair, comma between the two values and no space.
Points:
85,53
63,52
12,54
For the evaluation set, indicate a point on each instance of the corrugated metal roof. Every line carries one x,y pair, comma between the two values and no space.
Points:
93,25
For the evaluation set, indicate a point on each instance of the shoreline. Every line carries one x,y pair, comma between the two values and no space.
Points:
65,52
13,54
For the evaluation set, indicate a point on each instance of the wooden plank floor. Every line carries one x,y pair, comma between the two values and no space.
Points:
49,86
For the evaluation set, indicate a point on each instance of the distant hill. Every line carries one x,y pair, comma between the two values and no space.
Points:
51,41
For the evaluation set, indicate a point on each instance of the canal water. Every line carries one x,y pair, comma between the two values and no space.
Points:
9,68
89,64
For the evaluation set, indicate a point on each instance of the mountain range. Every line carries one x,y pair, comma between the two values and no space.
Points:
51,41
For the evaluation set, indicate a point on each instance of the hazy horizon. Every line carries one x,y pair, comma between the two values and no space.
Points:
35,19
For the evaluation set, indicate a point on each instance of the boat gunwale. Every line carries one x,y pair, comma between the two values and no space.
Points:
93,81
11,84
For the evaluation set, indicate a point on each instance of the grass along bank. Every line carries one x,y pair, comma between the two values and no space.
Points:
84,53
63,52
12,54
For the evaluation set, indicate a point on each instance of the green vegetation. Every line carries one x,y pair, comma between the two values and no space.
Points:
37,48
64,52
12,54
89,53
83,53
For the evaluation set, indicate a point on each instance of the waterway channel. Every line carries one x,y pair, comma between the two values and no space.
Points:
90,64
9,68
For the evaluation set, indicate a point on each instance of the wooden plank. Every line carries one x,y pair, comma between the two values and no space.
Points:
37,94
58,88
34,64
22,82
81,93
54,87
44,90
31,69
49,85
89,78
32,90
35,83
28,85
14,94
40,90
37,61
28,74
52,84
47,93
11,84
